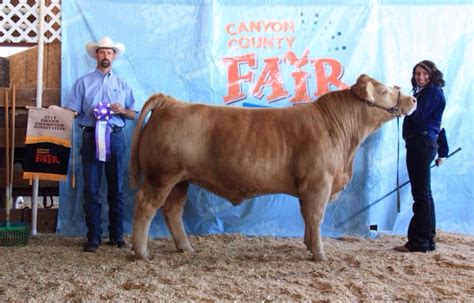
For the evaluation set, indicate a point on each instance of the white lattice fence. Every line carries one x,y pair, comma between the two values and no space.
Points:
19,21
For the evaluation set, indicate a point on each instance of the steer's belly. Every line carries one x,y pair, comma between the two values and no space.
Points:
237,192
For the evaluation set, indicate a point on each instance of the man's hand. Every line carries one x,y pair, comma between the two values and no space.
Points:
118,108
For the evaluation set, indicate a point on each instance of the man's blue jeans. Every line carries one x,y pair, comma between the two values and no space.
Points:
422,229
114,173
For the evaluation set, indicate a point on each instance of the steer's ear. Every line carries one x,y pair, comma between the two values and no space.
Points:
364,88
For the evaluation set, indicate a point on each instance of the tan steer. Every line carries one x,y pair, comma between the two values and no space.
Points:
305,151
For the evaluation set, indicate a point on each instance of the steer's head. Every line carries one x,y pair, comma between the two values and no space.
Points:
386,98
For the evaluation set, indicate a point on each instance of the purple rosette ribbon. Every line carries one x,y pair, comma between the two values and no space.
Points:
102,113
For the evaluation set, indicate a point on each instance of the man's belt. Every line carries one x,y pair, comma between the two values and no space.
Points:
88,129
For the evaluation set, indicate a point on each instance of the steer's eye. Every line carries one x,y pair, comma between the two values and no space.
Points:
383,92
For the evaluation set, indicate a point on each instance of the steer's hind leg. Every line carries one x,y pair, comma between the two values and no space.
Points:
148,199
312,209
173,213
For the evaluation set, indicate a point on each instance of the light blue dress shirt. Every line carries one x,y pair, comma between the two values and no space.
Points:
97,87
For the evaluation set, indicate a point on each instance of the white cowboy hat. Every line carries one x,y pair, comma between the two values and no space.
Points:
105,42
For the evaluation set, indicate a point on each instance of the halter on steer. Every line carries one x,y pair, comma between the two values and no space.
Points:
393,110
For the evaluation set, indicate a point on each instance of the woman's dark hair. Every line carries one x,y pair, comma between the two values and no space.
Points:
436,76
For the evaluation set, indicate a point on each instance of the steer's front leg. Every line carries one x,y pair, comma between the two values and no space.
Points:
312,208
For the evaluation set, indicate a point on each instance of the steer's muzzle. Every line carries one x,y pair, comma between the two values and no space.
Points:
408,105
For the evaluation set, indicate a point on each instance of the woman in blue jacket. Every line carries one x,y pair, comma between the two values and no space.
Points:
420,131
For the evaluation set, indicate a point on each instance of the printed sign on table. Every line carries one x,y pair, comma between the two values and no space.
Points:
47,144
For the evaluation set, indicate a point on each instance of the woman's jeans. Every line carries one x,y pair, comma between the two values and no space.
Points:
421,152
114,173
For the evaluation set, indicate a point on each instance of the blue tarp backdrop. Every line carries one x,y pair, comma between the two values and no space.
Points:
275,54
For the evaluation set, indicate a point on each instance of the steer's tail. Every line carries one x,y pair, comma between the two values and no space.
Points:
135,169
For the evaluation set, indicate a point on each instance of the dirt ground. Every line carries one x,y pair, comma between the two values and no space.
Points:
233,267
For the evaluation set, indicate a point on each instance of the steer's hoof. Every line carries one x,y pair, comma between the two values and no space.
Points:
185,248
133,258
141,256
319,257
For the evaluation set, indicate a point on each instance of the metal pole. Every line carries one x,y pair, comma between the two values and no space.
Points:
39,101
388,194
7,161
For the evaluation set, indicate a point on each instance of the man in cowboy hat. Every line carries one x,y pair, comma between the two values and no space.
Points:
103,102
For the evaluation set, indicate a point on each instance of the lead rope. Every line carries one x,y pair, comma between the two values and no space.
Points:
398,164
73,150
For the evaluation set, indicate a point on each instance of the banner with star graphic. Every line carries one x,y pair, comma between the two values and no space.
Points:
280,53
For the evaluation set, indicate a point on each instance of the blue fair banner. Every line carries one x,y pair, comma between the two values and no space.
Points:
278,54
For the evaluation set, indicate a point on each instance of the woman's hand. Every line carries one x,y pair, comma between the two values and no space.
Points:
439,161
